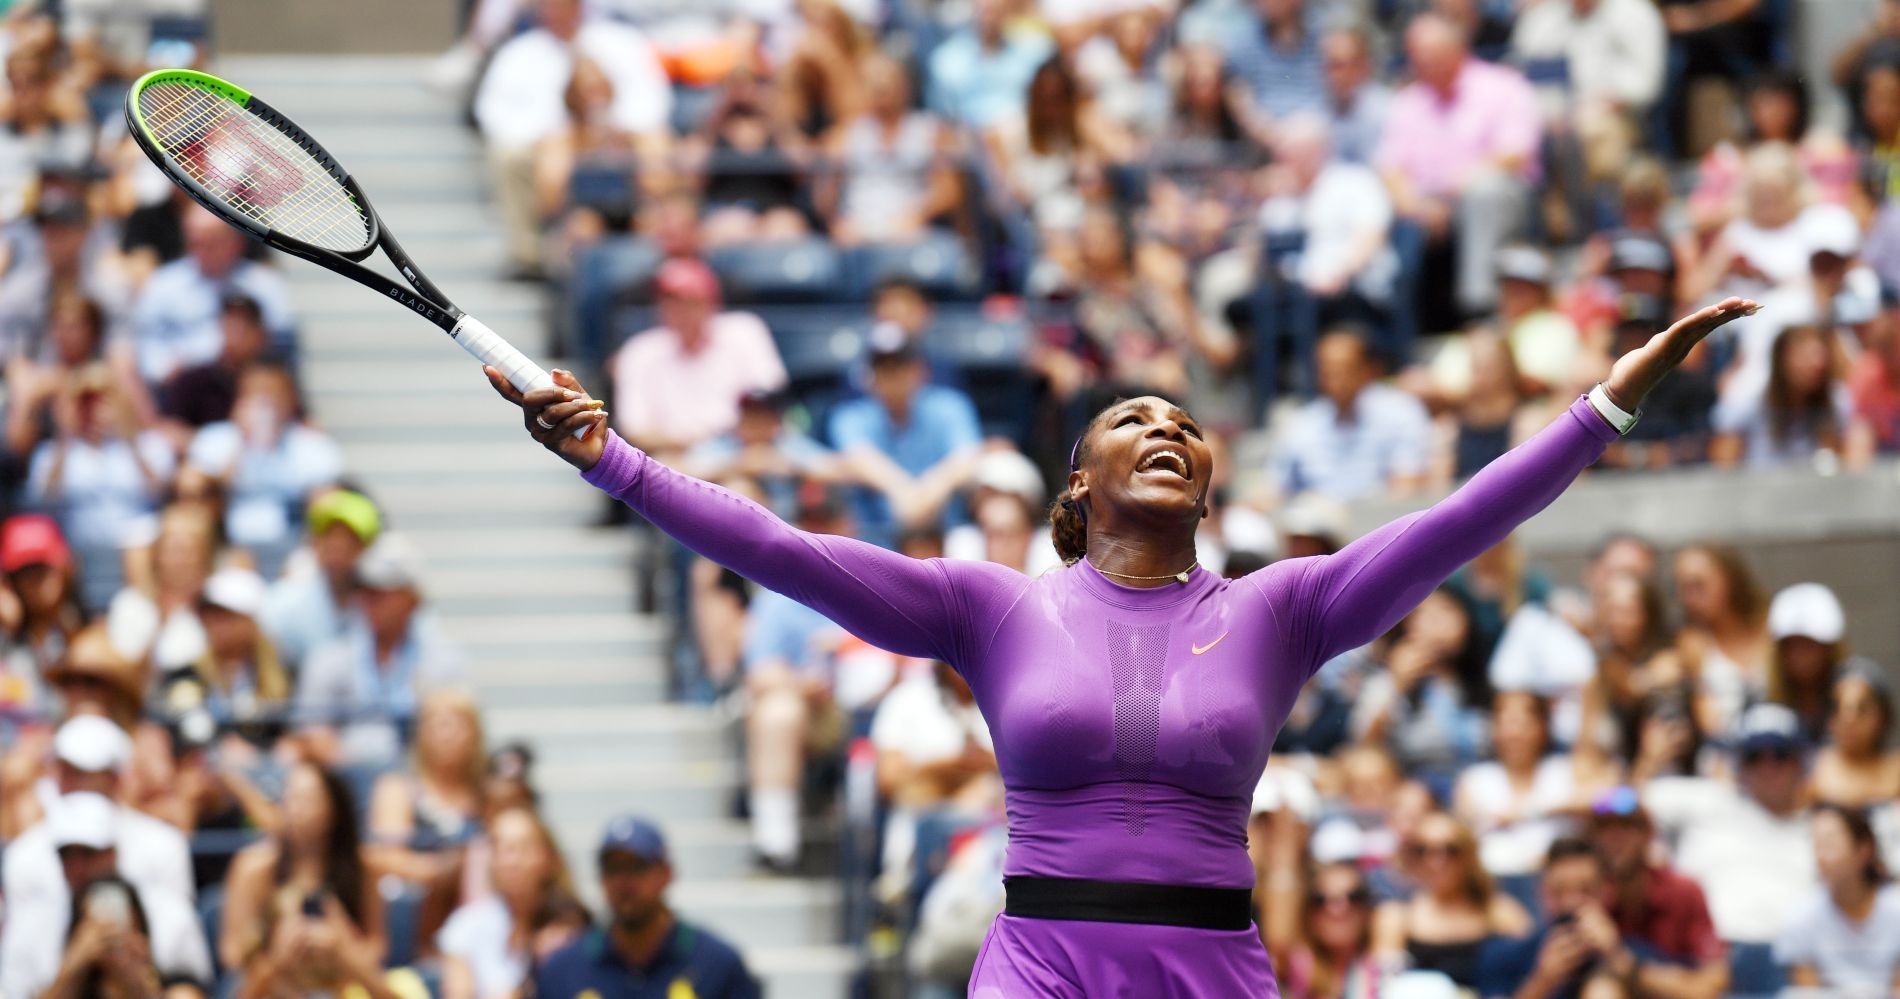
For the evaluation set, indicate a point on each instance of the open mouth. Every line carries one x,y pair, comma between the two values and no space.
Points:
1164,461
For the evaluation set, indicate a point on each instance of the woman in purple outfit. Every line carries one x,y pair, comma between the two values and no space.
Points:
1133,695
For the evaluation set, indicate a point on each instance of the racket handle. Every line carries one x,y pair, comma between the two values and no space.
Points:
489,348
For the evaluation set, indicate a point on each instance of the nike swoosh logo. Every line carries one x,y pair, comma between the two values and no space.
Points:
1198,649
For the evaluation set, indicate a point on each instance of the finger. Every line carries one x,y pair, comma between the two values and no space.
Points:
566,379
502,386
542,398
560,411
573,425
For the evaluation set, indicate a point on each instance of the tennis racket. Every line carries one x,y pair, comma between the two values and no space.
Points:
254,168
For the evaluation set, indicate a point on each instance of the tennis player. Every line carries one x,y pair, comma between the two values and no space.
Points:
1132,695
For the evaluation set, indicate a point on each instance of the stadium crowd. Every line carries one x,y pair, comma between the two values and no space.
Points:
1370,247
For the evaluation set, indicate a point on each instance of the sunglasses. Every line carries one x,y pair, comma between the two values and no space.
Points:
1357,898
1422,851
1770,755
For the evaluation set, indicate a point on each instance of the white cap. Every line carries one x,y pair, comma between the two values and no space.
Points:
1010,472
1809,610
1830,229
84,818
238,590
1286,788
1337,841
92,744
1312,515
392,563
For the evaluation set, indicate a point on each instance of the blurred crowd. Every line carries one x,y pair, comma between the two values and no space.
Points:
873,264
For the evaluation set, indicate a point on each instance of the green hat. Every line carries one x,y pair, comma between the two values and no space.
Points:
351,509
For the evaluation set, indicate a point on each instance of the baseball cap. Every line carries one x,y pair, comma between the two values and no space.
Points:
1621,802
84,818
236,589
635,835
1647,311
32,539
1769,727
1808,610
684,278
1830,229
1523,263
1641,253
392,563
349,508
92,744
888,342
1338,840
1009,472
762,398
1311,515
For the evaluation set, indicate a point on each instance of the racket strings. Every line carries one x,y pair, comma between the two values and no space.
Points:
253,168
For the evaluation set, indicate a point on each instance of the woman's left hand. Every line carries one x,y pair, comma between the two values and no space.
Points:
1638,372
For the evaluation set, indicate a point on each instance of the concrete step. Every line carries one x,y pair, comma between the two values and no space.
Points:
323,296
805,972
504,457
523,541
629,629
715,849
583,736
784,912
589,795
434,372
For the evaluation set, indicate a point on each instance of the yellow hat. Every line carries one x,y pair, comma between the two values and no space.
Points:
349,508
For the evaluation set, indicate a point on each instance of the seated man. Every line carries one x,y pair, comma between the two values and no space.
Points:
1656,906
1359,438
912,444
177,321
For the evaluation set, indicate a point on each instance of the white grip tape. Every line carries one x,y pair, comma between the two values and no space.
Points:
489,348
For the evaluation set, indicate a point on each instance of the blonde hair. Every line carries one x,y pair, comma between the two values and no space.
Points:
463,704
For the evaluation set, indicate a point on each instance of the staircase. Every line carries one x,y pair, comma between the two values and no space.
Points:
541,601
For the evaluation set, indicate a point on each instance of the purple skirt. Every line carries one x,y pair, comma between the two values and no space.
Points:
1071,959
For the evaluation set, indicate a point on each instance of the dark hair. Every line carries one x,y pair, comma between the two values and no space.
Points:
1570,848
1789,413
1787,85
139,922
1058,129
1745,597
1861,831
242,304
901,285
343,873
1069,519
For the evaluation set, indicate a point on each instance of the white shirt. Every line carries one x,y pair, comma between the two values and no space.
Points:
1346,203
519,100
916,719
477,934
175,322
661,391
1756,867
102,498
271,466
1853,956
1613,53
153,856
1515,831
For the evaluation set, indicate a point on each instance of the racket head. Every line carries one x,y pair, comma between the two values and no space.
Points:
249,164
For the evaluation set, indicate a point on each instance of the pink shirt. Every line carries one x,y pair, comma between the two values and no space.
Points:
1437,142
663,392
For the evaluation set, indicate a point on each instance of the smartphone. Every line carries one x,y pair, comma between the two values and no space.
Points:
110,903
313,905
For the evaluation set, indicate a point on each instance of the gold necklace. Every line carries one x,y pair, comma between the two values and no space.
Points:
1179,577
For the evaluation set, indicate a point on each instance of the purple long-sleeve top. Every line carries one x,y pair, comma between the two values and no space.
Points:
1131,725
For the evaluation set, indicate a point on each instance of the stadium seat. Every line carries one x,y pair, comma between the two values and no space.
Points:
939,263
804,271
605,275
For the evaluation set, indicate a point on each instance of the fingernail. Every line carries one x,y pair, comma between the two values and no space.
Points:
596,403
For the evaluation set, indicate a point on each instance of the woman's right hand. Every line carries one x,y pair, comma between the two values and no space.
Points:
567,409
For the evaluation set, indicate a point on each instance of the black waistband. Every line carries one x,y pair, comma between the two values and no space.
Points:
1129,902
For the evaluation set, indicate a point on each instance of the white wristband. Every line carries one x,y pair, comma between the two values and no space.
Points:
1618,419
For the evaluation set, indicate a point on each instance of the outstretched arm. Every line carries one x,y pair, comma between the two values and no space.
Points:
1346,599
908,606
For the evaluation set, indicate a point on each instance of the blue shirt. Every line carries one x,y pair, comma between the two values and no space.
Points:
781,493
942,422
1351,458
980,87
691,962
780,629
1282,81
175,323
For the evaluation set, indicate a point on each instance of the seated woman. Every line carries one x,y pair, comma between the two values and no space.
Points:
1443,926
891,176
1630,628
39,612
301,911
1804,409
1858,768
1417,705
1846,940
422,820
75,329
1512,802
616,165
753,168
1488,417
1333,957
100,473
489,945
1808,626
267,459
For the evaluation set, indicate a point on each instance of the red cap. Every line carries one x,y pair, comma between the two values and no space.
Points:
32,539
684,278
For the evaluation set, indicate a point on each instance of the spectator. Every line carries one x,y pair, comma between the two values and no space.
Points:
490,945
1490,414
764,448
176,322
1044,158
1120,68
266,459
207,393
1877,44
980,74
1808,626
895,175
912,444
1360,438
1596,63
239,679
642,941
1676,426
1444,926
1756,825
358,693
519,103
1655,906
1356,100
1513,803
680,382
1332,957
1805,409
1776,107
1847,937
46,125
62,257
421,818
1874,381
1332,217
156,614
72,326
1631,629
755,158
1670,742
824,80
1769,243
1725,631
1858,768
1277,64
1006,523
608,161
1459,153
99,933
101,473
1578,945
39,574
1418,705
308,607
933,756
